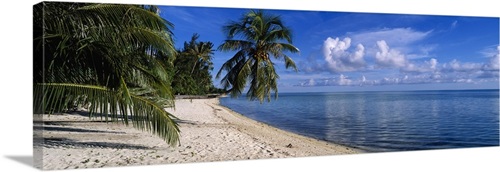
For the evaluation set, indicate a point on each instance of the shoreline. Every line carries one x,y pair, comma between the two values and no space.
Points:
290,133
209,132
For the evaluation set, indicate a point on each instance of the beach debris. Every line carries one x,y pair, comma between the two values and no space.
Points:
289,145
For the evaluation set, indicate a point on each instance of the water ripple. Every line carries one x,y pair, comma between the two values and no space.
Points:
384,121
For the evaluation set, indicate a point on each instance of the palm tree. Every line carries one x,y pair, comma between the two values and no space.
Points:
192,67
264,36
108,56
201,51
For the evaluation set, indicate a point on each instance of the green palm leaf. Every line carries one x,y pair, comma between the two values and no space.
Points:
113,56
112,105
264,35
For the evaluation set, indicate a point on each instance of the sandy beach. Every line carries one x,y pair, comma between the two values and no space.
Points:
209,132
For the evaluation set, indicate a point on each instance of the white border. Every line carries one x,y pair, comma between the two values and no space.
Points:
16,76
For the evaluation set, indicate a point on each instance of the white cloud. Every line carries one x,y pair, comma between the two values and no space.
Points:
421,51
414,71
454,24
395,36
433,63
387,57
340,55
343,80
457,66
491,69
463,80
311,82
427,66
339,58
494,63
393,51
402,39
421,78
308,83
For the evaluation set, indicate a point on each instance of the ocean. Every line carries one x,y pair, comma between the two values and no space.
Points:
383,121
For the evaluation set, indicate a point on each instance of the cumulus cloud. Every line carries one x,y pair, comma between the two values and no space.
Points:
338,57
393,50
454,71
433,63
421,78
491,69
427,66
349,54
494,63
341,80
403,39
344,80
457,66
414,71
387,57
395,36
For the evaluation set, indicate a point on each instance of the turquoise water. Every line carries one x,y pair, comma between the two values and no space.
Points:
384,121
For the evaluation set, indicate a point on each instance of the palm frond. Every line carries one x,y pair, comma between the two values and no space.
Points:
264,35
234,45
116,105
113,56
289,63
231,63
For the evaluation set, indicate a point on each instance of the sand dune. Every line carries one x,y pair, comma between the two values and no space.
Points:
209,132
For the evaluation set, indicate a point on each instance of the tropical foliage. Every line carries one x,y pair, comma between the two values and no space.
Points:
192,68
114,58
119,61
263,36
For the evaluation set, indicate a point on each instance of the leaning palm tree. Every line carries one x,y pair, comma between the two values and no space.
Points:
107,56
264,36
201,51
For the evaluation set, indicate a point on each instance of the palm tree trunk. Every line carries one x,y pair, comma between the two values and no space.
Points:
195,63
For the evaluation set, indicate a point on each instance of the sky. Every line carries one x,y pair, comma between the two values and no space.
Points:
341,51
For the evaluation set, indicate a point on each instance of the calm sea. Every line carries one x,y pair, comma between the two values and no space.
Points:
384,121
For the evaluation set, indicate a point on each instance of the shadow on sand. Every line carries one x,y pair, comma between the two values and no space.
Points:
68,129
64,142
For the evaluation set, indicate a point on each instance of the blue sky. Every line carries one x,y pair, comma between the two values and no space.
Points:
366,51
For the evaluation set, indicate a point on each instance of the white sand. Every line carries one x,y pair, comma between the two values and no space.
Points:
209,132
